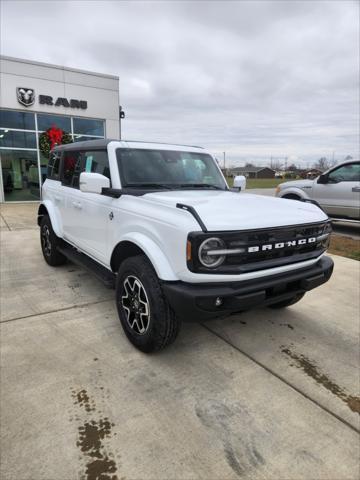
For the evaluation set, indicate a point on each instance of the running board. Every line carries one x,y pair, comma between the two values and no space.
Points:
102,273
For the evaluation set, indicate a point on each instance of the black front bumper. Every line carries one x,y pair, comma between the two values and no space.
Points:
194,302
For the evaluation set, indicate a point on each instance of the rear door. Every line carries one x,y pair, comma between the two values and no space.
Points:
51,189
340,197
71,212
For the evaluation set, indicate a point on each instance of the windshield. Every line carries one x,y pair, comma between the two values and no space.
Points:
168,169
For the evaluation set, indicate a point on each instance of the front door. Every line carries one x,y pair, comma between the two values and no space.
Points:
89,214
97,208
340,196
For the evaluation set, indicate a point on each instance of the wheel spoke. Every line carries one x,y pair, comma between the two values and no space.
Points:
145,307
137,285
127,311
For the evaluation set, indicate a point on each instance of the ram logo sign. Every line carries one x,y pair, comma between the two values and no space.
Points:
25,96
288,244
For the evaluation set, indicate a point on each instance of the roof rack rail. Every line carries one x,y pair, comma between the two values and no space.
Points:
162,143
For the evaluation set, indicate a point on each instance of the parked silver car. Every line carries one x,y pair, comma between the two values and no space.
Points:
337,191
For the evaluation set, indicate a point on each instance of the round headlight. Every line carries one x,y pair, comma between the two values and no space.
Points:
207,252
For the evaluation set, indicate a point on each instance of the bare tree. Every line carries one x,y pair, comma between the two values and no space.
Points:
322,164
247,164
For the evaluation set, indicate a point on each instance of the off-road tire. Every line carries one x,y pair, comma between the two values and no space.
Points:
50,250
162,324
287,303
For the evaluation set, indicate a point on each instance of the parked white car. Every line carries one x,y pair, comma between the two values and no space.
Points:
159,223
337,191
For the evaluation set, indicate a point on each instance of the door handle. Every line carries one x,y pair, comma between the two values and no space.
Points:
57,198
356,189
76,205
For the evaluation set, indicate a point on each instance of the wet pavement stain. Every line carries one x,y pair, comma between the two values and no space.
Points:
101,470
82,398
309,367
287,325
99,462
91,434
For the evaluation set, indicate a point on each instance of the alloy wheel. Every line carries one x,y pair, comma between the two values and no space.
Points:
136,305
46,242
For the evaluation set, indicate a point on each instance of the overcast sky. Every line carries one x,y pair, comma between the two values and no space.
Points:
252,78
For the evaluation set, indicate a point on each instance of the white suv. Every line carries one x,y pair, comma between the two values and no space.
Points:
337,191
159,223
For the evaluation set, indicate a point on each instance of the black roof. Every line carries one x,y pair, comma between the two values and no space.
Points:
103,143
97,144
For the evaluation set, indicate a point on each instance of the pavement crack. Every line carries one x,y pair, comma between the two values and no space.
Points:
282,379
56,310
7,225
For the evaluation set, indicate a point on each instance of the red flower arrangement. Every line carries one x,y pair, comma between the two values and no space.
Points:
52,137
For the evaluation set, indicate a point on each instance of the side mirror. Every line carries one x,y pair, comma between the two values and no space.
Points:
239,182
93,182
323,179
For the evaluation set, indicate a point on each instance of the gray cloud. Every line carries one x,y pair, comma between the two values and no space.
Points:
253,79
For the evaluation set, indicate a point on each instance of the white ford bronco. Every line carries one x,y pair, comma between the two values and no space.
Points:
159,223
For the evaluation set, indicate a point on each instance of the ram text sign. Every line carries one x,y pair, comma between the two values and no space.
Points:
26,96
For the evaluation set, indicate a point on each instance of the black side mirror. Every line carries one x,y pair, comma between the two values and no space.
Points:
323,179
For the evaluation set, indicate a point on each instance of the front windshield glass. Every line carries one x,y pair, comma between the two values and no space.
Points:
168,169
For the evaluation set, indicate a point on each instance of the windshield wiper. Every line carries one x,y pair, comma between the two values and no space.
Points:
199,185
148,185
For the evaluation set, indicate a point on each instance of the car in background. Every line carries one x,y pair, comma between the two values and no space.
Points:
337,191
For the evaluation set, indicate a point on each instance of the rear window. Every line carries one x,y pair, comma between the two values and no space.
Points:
53,168
71,168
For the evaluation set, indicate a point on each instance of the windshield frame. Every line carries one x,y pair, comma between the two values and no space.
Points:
220,185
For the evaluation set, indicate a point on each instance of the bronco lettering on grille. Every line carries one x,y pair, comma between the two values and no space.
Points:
290,243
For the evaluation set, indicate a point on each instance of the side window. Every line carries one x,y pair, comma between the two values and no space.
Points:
53,169
71,168
96,162
346,173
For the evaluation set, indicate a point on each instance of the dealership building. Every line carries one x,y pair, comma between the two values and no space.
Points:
37,96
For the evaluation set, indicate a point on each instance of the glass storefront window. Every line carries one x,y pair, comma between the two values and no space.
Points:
47,121
20,120
88,127
21,168
20,175
13,138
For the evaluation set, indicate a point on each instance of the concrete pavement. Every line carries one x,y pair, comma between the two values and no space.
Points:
269,394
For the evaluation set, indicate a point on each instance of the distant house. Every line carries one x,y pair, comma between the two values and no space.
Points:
310,174
253,172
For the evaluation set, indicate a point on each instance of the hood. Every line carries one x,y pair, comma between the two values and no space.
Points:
297,183
224,211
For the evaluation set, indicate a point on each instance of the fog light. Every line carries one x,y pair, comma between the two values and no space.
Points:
218,302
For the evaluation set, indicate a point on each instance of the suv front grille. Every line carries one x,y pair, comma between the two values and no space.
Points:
267,248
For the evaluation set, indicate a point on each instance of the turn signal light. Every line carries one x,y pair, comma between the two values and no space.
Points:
188,251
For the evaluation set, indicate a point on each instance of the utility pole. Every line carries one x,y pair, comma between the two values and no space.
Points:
121,116
224,159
